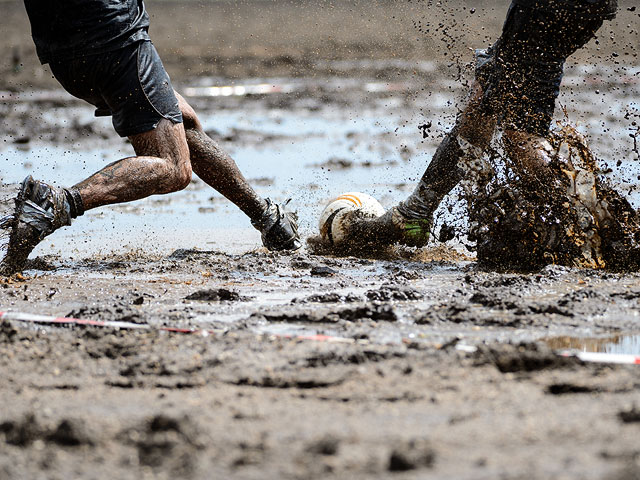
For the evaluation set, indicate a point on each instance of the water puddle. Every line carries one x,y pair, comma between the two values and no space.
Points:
627,344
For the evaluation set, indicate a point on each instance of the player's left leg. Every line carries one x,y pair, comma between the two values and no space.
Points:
411,221
212,164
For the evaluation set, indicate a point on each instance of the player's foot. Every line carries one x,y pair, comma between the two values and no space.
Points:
40,209
391,228
279,228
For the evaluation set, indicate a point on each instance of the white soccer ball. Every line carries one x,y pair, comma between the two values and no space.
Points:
334,222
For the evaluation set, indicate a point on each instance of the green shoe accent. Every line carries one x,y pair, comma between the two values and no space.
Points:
417,232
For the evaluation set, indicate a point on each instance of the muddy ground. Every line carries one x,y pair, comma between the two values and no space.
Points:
312,366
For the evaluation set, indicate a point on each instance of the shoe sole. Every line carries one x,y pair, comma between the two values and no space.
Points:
14,259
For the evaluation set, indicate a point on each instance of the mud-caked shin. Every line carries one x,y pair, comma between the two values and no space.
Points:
411,221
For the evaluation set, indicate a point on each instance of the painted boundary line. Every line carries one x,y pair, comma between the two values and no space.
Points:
599,357
51,320
595,357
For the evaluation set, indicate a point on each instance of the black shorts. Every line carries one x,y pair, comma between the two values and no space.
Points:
521,73
130,84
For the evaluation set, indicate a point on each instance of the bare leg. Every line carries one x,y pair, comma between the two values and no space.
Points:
444,172
162,166
217,168
279,228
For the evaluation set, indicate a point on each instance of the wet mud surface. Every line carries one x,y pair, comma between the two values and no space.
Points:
315,367
312,366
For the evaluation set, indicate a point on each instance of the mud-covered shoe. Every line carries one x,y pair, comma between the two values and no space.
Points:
414,232
279,228
40,209
391,228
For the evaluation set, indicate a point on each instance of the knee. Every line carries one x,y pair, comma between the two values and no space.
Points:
183,176
180,176
179,161
178,180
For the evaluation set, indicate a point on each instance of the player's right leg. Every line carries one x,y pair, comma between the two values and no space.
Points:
528,65
162,166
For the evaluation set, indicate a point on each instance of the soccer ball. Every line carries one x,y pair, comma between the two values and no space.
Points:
334,221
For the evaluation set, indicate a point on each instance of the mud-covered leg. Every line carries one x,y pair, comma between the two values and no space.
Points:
162,166
444,172
215,167
410,222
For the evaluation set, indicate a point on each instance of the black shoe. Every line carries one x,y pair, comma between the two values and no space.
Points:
40,210
279,228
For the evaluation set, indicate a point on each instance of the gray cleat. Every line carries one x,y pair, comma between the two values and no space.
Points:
40,209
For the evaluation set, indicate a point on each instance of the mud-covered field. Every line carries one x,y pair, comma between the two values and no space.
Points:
301,365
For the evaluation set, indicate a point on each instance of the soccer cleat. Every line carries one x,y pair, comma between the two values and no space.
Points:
392,227
416,232
279,228
40,209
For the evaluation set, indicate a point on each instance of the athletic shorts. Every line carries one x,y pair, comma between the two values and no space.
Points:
521,73
130,84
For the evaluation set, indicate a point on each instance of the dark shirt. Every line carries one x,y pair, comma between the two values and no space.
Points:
63,29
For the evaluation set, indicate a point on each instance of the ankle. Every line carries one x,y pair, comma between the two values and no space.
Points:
74,199
264,215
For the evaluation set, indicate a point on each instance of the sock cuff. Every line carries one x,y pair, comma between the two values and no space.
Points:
76,205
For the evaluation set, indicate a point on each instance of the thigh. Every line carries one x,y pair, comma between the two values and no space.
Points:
138,90
521,74
548,31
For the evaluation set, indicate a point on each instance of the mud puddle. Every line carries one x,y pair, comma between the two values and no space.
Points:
308,141
625,344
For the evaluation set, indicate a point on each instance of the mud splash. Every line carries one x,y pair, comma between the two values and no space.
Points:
567,215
